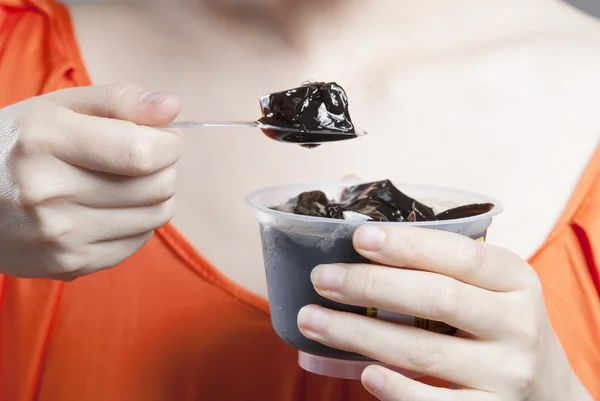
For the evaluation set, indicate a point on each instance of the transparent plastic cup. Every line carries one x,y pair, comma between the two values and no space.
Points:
293,245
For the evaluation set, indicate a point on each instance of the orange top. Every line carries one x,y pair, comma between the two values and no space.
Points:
166,325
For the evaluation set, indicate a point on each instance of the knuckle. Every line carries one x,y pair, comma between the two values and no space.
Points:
451,301
66,264
112,93
480,256
405,389
522,374
423,355
53,230
35,187
137,243
139,154
165,212
38,114
165,186
27,144
367,282
62,116
412,248
530,336
33,128
33,192
175,146
356,338
117,90
410,393
528,278
30,196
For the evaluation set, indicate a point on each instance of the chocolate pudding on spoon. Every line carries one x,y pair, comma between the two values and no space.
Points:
308,115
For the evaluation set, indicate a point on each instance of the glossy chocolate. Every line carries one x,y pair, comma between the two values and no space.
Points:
307,115
382,201
374,201
462,212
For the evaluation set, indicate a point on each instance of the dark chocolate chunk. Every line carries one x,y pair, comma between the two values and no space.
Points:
374,201
313,203
386,200
465,211
307,115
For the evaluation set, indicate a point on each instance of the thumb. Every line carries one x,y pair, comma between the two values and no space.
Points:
122,102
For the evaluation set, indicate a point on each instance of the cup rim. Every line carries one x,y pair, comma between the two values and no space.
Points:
251,200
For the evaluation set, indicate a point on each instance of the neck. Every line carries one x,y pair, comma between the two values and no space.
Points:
435,25
440,25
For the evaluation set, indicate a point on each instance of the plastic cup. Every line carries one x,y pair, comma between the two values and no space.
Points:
293,245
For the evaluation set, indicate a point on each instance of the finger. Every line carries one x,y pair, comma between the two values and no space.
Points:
113,146
424,294
450,254
95,189
113,224
122,102
103,255
72,225
457,360
387,385
99,190
115,252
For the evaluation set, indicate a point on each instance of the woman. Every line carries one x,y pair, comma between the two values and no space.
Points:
494,97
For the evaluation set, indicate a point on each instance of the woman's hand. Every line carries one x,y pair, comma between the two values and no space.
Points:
82,185
505,349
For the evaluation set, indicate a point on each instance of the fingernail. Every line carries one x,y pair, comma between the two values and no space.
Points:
313,319
369,238
154,97
328,277
373,379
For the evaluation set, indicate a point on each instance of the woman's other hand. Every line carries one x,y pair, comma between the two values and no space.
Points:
505,349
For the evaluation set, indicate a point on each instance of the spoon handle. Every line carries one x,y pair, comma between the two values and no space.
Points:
194,124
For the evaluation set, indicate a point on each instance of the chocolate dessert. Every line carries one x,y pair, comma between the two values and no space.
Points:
462,212
293,246
374,201
307,115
